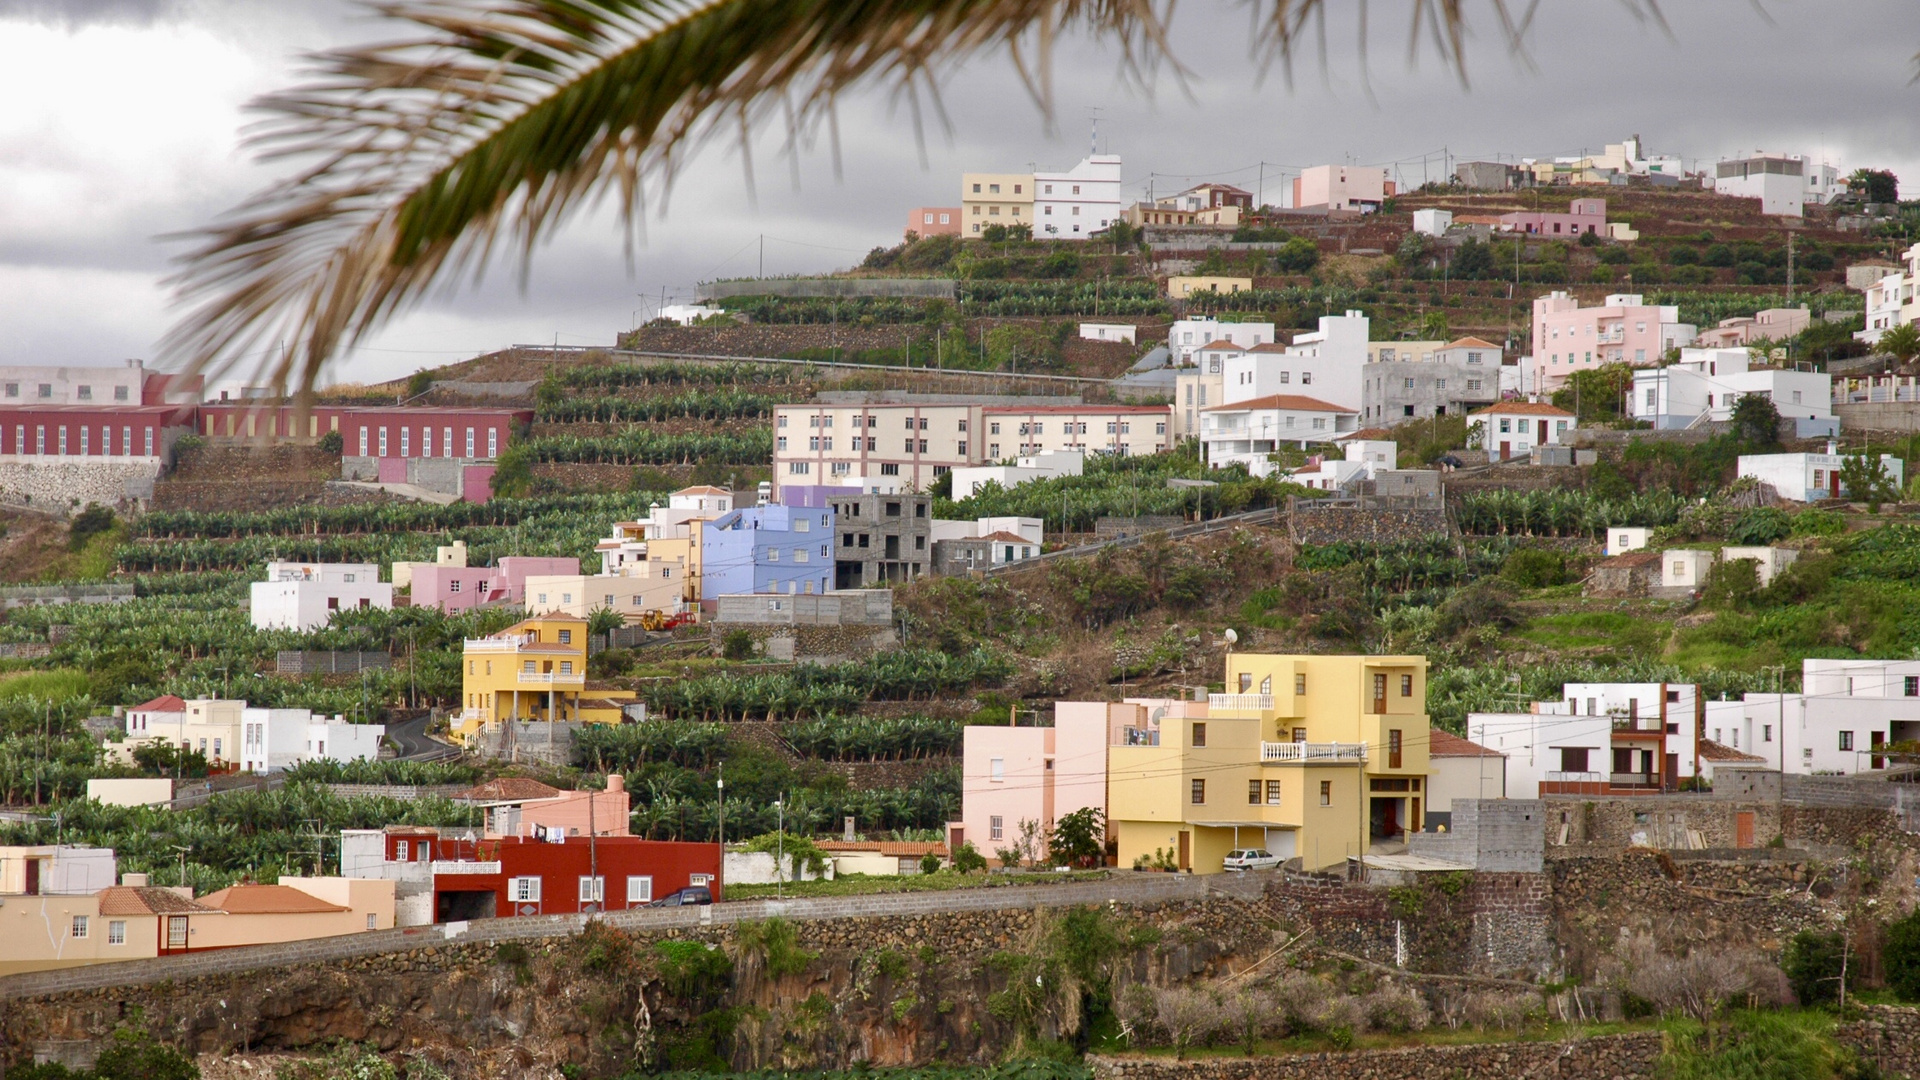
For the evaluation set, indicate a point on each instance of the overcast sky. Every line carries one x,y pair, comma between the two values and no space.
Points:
119,122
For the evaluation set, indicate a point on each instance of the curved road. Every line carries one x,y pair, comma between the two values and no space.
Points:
411,743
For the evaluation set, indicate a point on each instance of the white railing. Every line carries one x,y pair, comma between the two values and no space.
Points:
492,644
550,678
463,867
1576,777
1312,751
1240,702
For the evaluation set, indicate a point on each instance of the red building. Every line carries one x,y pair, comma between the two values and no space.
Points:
382,432
100,431
514,875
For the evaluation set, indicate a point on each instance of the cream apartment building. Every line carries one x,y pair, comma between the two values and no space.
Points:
911,444
1126,430
994,199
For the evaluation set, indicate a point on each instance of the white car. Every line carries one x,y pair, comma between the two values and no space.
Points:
1250,859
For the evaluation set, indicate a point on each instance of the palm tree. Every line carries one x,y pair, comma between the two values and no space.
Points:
490,122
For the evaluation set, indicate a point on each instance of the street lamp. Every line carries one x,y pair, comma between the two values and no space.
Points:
779,846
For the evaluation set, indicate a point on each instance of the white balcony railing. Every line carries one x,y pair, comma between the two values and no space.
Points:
1240,702
492,644
1554,777
1312,751
551,678
464,867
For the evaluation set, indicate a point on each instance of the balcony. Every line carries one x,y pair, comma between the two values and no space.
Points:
491,645
1138,736
1576,778
1301,752
552,678
1240,702
1634,780
1643,725
465,867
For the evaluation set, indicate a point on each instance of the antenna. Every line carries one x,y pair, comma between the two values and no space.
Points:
1093,140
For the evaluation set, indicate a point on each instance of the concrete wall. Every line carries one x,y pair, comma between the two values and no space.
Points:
293,662
85,593
1494,835
857,607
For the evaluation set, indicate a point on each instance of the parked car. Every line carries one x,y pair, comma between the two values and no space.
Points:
692,894
1250,859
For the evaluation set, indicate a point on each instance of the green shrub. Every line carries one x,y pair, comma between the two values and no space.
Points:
737,645
1812,961
330,443
967,858
1760,526
1900,956
1535,568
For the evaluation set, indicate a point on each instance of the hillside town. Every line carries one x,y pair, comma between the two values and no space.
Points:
1448,617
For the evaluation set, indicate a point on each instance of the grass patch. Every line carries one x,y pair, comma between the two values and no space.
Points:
868,885
1320,1042
56,685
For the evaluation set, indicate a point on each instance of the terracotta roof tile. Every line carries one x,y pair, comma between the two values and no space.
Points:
1447,744
163,703
1470,343
1632,559
1523,408
912,848
1713,751
1007,537
267,900
1282,401
146,900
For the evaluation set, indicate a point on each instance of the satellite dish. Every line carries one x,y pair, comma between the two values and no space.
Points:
1233,636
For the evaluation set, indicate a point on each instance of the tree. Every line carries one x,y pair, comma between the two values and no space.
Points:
1900,956
1902,342
1187,1014
967,858
513,470
1079,839
1874,185
1297,256
1756,423
1472,259
1434,327
1864,477
1813,962
514,115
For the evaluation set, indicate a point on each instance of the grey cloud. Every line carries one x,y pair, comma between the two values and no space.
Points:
90,12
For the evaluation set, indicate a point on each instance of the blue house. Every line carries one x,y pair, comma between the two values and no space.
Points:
767,549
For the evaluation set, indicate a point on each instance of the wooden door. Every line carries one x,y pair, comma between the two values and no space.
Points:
1379,693
1743,829
1186,850
1506,450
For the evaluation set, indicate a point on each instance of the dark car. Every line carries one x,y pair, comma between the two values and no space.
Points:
692,894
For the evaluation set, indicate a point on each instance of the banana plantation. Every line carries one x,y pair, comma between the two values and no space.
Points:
811,691
640,446
697,405
1562,512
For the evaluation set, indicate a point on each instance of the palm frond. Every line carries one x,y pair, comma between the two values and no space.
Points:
490,122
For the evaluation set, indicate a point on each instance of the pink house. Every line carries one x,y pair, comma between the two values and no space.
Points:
1623,329
1014,774
925,221
1582,216
519,806
459,588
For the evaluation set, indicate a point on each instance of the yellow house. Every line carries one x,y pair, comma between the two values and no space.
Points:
1311,757
535,669
1180,287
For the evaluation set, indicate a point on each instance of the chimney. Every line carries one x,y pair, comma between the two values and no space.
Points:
846,829
137,881
616,782
1833,447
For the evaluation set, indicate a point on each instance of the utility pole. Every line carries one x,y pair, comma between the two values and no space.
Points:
779,845
593,850
1790,239
720,877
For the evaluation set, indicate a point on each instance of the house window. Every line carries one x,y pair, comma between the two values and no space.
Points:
1300,684
1253,793
1846,740
1273,793
1326,793
1406,686
995,831
1199,734
997,770
593,890
116,928
1199,794
1912,685
523,890
453,586
79,929
639,888
400,851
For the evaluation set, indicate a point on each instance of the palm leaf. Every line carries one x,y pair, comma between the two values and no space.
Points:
492,121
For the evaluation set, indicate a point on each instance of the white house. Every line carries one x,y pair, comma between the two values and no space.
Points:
1460,769
1547,753
1045,466
1328,364
1711,382
272,739
1598,739
1685,568
1846,709
1810,477
1029,529
1779,181
1512,429
1365,459
1075,204
303,596
1186,336
1246,432
1006,547
1768,561
1432,222
1621,539
1093,331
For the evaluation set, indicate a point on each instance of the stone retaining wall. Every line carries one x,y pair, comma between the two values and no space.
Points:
1334,524
67,486
1888,1037
1606,1057
821,644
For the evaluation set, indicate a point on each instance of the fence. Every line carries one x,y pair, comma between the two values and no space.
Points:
1232,521
292,662
1140,889
15,596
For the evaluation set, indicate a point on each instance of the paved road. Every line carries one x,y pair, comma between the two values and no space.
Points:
412,744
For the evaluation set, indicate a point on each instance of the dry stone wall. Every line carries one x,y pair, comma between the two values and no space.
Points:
1606,1057
66,487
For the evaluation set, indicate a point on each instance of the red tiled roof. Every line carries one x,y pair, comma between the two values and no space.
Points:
882,847
1222,343
1523,408
1372,434
1271,347
163,703
1470,343
267,900
1007,537
1713,751
1281,401
1447,744
703,489
145,900
1632,559
507,789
